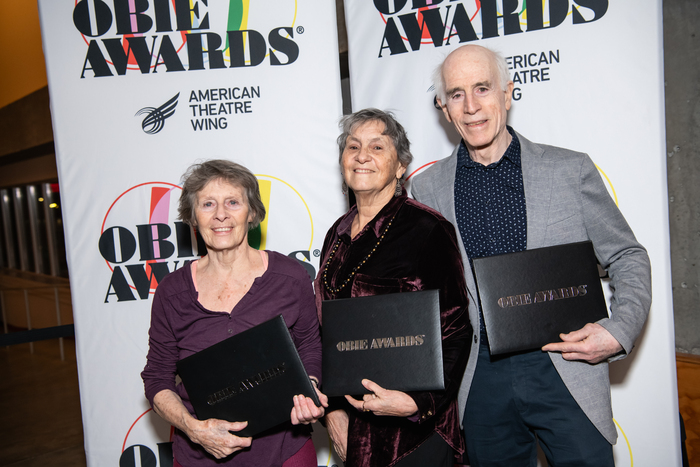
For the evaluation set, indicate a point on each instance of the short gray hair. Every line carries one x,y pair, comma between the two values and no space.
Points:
496,57
199,174
392,129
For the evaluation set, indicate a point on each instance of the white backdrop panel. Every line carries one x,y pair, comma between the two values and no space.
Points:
590,80
126,128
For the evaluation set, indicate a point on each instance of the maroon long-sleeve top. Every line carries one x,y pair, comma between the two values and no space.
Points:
181,326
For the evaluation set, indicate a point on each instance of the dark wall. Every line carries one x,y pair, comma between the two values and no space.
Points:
682,76
26,141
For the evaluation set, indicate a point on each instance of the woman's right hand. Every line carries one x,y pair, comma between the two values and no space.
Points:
337,423
214,436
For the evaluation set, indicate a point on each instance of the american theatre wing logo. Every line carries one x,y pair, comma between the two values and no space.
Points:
156,116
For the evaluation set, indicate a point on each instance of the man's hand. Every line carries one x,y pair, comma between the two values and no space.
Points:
384,401
592,343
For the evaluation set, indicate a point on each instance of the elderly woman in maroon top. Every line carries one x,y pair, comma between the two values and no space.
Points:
231,289
389,243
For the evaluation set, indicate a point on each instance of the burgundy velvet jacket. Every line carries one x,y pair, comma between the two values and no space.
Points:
418,252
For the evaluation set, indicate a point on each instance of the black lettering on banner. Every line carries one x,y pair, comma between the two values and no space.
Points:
118,245
462,26
196,51
151,238
599,8
108,246
143,281
278,41
529,68
123,17
255,43
167,55
212,115
82,22
140,455
137,455
413,22
382,6
98,64
205,49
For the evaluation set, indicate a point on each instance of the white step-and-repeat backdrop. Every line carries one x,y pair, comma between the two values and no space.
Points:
140,89
588,76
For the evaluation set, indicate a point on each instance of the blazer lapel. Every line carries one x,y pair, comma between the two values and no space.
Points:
538,191
444,177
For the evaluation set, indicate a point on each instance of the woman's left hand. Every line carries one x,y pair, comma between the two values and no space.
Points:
384,401
305,410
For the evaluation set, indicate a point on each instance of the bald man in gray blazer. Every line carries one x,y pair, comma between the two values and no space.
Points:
512,402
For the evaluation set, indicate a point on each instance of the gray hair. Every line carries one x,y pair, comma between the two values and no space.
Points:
392,129
497,59
199,174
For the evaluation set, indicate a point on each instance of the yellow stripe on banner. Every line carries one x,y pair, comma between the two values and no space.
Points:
330,450
311,219
612,188
626,440
523,14
246,9
265,190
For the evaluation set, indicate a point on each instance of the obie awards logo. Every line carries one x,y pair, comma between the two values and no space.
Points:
154,36
408,24
142,241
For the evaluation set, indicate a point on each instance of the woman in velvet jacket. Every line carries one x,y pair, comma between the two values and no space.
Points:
388,243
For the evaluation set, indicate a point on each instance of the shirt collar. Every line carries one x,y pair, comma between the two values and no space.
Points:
512,154
377,224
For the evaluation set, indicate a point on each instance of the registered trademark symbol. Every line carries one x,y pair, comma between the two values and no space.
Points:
317,253
300,29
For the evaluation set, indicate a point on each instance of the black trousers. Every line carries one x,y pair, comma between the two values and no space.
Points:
518,400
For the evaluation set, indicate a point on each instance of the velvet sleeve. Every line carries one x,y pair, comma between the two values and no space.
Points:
440,267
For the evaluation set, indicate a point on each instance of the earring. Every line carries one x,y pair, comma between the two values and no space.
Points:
399,188
344,188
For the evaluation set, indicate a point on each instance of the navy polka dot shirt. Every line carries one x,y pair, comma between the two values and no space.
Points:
490,203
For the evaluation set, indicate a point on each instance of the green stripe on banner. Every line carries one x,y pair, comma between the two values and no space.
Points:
235,16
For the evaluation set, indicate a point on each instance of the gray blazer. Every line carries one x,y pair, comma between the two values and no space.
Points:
566,201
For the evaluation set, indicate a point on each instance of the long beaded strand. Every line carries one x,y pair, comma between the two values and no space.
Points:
356,268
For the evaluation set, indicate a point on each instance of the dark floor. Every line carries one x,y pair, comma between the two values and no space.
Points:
40,423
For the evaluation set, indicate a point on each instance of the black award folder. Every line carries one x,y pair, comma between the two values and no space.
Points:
393,340
251,376
530,297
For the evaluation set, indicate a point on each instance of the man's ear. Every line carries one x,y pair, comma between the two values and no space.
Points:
509,94
444,109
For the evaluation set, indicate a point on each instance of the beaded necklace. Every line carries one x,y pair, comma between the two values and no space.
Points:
356,268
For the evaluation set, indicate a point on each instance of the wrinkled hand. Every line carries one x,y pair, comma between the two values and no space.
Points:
305,410
214,436
592,343
384,402
337,425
